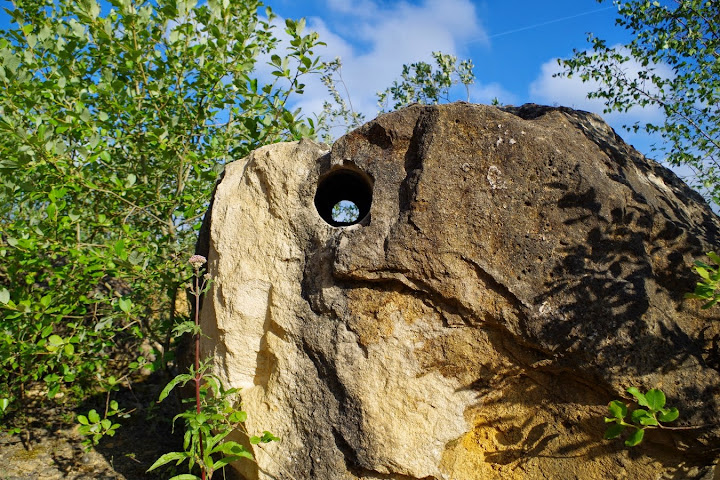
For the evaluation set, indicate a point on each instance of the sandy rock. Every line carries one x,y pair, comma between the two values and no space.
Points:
512,271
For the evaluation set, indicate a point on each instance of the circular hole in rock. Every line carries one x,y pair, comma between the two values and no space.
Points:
345,211
343,197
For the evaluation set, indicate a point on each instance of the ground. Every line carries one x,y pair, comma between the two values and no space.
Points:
51,447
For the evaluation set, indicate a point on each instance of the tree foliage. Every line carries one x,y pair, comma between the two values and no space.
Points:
672,64
708,288
422,83
338,112
115,121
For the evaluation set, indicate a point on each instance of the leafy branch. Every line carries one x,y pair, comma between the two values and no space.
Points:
425,84
708,288
640,419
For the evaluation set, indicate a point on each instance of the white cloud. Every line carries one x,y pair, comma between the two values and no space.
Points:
353,7
572,92
374,40
486,93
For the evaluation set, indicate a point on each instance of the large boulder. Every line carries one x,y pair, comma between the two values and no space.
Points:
512,271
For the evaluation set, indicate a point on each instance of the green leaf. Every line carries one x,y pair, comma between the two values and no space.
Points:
136,257
714,257
45,300
55,340
120,249
617,409
93,416
12,63
83,420
268,437
53,391
637,415
238,416
649,422
170,457
4,403
655,399
614,431
635,438
710,303
669,415
230,459
125,304
184,378
702,272
4,296
233,448
641,400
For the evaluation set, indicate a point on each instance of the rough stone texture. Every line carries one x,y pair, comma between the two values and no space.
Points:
519,268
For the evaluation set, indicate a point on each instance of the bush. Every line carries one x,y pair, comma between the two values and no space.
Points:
115,121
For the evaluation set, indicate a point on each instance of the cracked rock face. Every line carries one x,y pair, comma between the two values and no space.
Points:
513,270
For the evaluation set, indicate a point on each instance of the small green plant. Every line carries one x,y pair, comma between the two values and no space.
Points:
708,288
213,416
94,428
640,419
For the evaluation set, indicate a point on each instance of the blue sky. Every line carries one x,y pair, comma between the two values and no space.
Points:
514,45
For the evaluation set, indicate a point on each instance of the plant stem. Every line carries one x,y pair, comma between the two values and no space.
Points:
198,377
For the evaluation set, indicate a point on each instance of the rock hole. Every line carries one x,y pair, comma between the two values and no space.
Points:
344,197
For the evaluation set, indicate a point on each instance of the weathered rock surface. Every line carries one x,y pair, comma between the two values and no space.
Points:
517,269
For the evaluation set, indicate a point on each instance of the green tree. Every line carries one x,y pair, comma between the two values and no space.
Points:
115,120
671,64
422,83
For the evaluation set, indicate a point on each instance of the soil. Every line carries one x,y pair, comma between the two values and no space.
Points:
51,447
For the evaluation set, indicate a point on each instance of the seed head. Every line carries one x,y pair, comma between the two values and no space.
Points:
197,261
